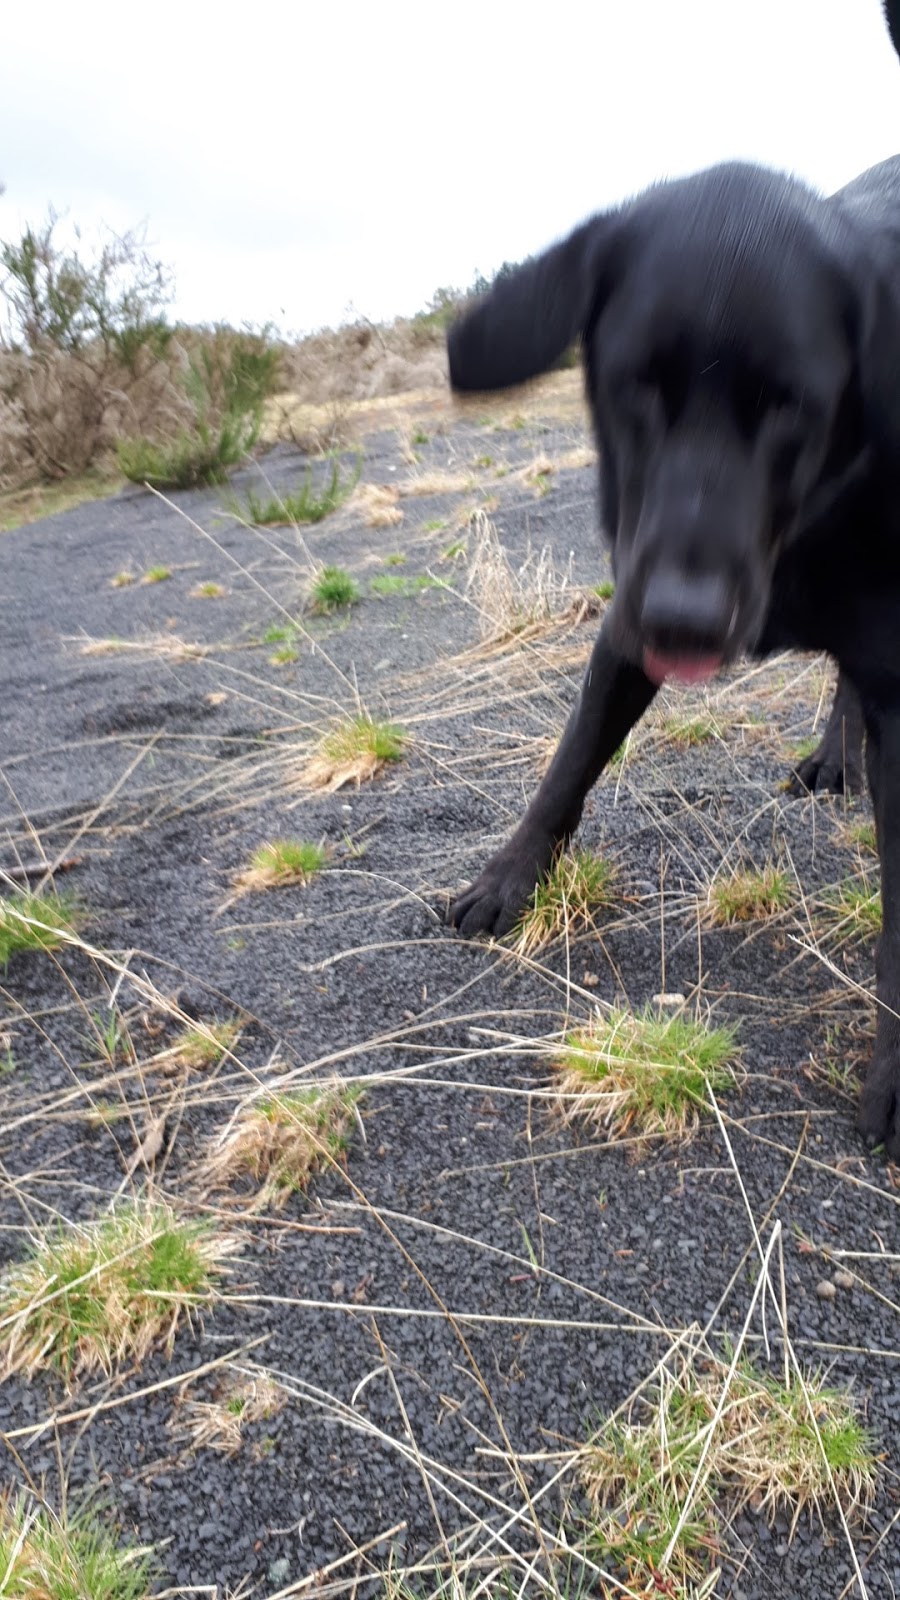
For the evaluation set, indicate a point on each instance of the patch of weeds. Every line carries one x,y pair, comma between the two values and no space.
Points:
864,837
121,580
803,750
156,574
379,504
389,584
93,1296
281,1141
748,896
756,1439
284,656
605,590
639,1072
50,1556
282,862
484,461
685,733
34,922
279,633
395,559
219,1424
854,909
304,504
354,751
208,591
578,884
333,589
455,551
420,437
435,525
204,1045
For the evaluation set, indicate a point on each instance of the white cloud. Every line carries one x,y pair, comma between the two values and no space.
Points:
292,160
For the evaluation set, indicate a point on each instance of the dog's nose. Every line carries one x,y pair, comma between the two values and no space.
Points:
686,614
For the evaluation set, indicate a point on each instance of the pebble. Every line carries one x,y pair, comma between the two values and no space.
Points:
826,1290
843,1280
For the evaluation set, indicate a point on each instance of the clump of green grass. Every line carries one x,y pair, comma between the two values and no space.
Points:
332,590
354,751
210,590
864,837
281,862
641,1073
395,583
748,896
284,656
783,1447
204,1046
605,589
157,574
92,1296
577,884
34,922
685,733
282,1140
306,504
854,909
46,1556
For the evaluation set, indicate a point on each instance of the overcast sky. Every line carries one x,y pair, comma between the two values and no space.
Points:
302,162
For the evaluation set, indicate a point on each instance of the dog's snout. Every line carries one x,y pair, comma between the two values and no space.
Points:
686,613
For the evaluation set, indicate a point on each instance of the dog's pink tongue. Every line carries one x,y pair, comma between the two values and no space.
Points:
684,669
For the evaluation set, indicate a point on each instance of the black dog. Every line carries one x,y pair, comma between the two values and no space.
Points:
741,338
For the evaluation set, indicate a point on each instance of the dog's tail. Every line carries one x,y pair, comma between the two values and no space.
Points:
530,318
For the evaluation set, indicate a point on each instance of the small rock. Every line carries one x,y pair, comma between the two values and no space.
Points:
673,999
826,1290
843,1280
278,1570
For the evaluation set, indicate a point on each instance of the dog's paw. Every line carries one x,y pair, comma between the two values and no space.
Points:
496,900
829,770
879,1107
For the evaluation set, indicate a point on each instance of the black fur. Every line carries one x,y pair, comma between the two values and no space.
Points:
741,341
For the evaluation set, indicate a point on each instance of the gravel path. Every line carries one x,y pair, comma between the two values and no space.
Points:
446,1320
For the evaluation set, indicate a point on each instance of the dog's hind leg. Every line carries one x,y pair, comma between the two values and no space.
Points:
836,765
614,695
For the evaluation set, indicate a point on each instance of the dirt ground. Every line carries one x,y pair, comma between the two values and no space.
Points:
447,1319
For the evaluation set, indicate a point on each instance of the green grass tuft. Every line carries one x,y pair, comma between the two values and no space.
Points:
333,589
304,505
34,922
283,1140
578,884
44,1556
93,1296
639,1072
749,896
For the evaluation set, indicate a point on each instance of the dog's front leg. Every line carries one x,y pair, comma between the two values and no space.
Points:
613,696
879,1111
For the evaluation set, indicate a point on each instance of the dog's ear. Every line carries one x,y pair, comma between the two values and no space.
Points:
530,318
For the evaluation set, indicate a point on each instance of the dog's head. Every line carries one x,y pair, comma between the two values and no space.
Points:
723,336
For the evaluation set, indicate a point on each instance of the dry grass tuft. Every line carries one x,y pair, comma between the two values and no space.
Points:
748,896
378,503
93,1296
282,1140
353,752
219,1424
642,1073
513,603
